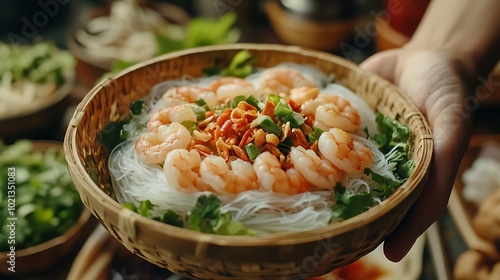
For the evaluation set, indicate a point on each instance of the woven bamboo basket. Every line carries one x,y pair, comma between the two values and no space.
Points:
275,256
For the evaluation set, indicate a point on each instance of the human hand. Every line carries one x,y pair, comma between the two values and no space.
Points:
434,81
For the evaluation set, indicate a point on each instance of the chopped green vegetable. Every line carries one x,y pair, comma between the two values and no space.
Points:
282,109
206,217
198,111
348,204
295,119
42,198
252,151
314,135
269,126
190,125
274,98
233,103
254,102
202,103
240,66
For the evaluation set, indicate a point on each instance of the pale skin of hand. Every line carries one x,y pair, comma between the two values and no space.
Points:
432,81
438,69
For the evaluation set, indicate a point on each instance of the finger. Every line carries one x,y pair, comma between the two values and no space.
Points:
382,63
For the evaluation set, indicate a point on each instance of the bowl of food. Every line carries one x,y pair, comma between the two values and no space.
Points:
35,83
43,218
127,32
322,34
247,186
475,194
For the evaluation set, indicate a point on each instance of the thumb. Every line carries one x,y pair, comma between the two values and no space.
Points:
382,64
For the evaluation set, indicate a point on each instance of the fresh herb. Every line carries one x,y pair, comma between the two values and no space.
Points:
136,107
113,134
349,204
146,206
206,217
171,218
391,133
392,139
240,66
47,203
198,32
208,31
385,186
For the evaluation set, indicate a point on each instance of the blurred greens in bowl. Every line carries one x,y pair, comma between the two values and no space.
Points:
34,83
127,32
41,215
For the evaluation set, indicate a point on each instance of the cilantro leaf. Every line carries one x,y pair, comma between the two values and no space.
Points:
206,217
145,208
349,204
391,132
171,218
386,186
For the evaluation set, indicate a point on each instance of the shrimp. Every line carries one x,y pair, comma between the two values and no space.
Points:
343,151
229,87
272,178
153,147
179,113
228,179
318,172
282,80
189,94
332,111
181,169
302,94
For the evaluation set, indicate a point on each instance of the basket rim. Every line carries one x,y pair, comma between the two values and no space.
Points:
289,238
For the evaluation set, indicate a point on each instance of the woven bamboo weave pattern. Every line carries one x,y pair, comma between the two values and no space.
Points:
205,256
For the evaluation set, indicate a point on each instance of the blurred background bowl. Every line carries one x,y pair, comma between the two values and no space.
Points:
50,252
310,28
90,69
43,122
